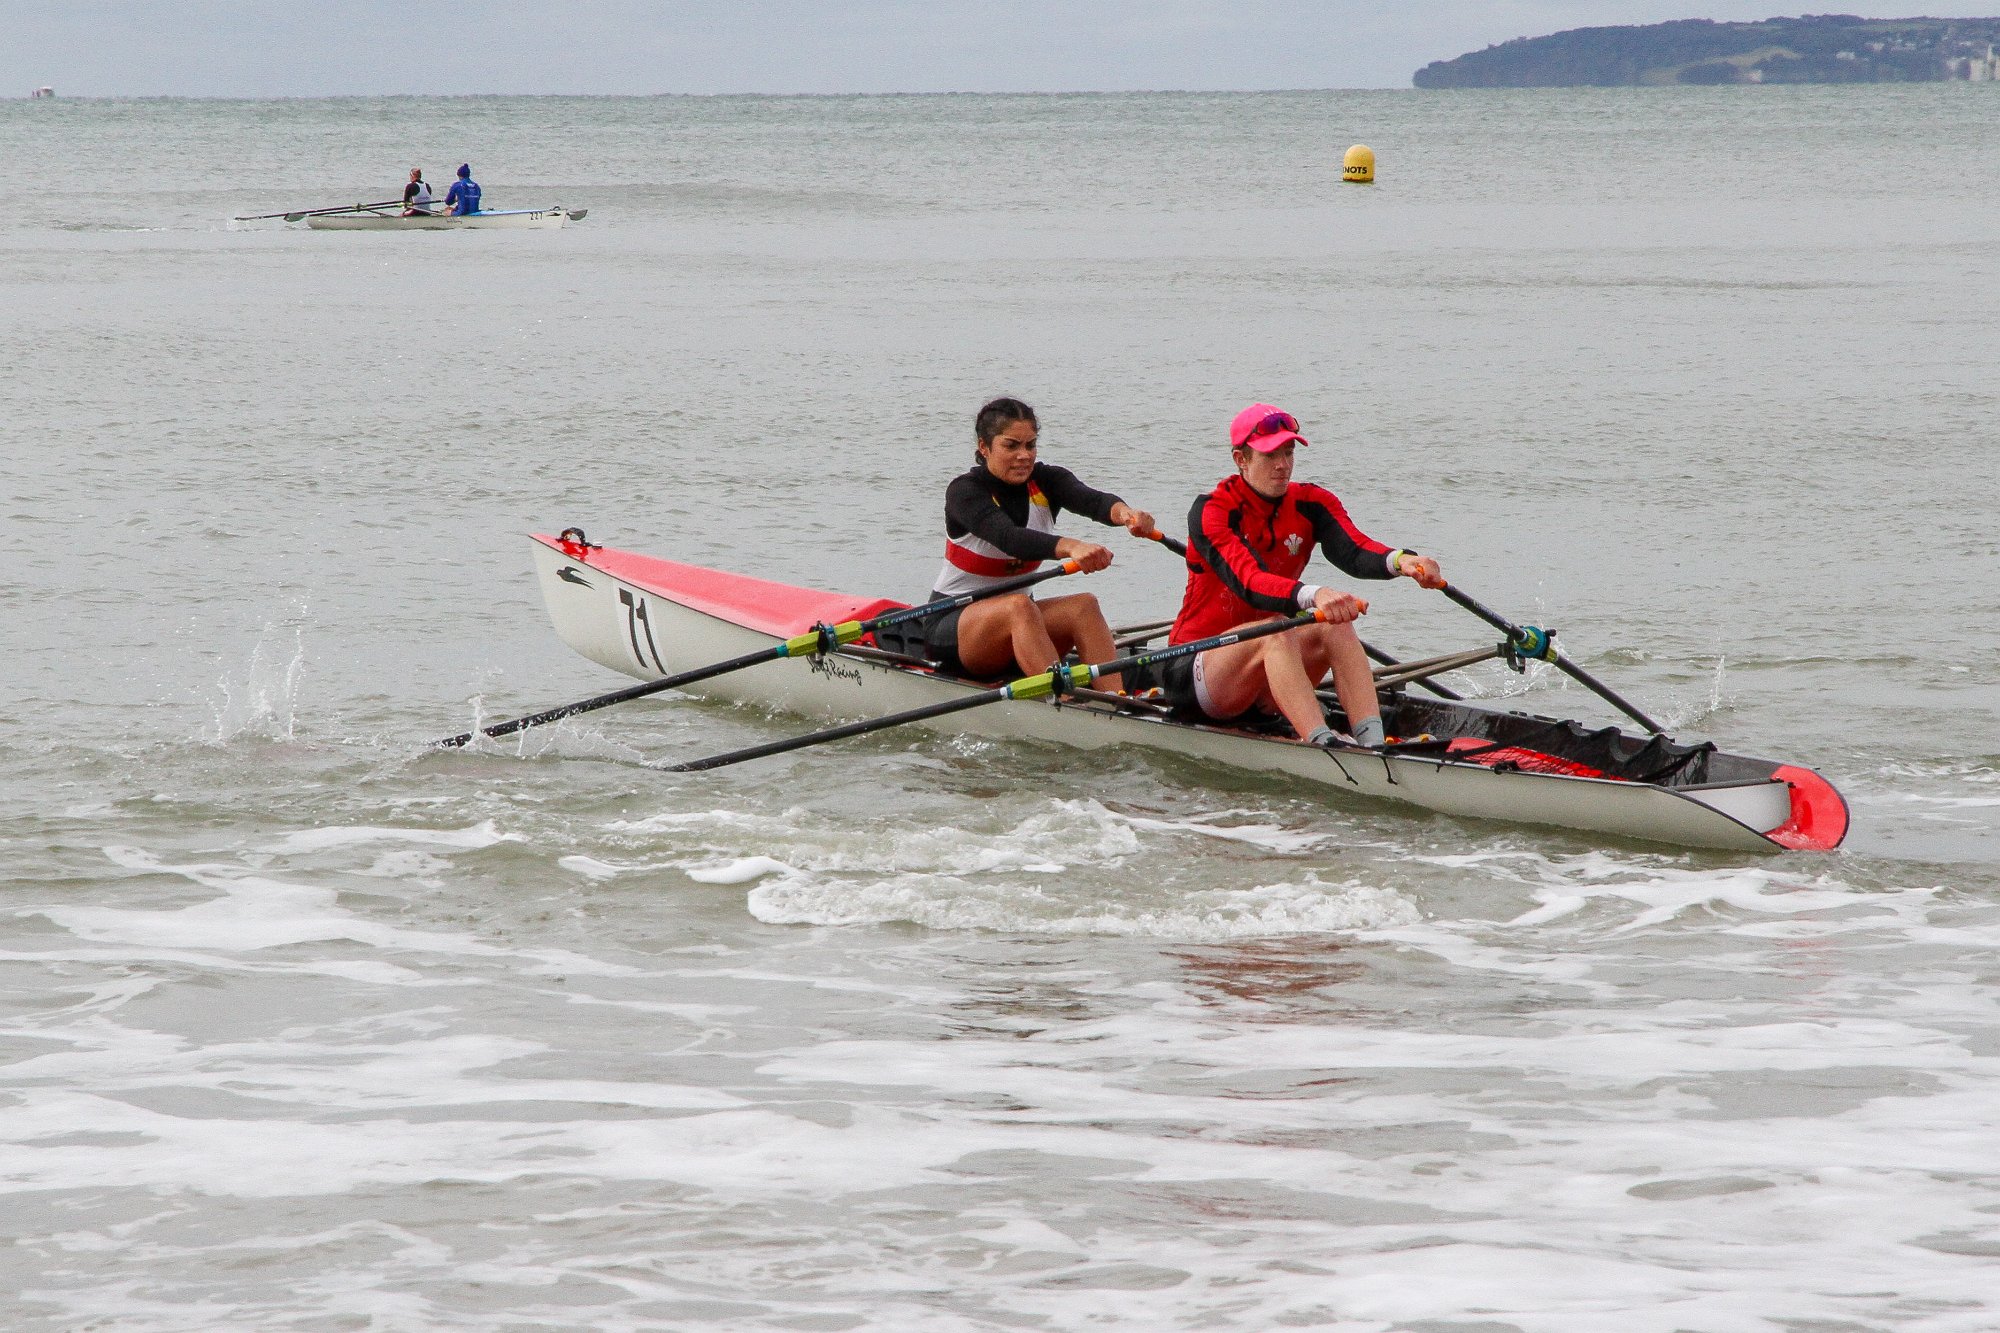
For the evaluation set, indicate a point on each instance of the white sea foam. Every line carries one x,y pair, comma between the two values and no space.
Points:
483,834
1950,802
591,868
1269,837
741,870
258,912
1064,835
808,871
1305,907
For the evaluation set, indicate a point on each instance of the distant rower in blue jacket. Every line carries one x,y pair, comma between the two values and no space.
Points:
463,196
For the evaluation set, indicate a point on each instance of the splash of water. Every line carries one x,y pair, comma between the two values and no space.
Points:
1686,715
261,699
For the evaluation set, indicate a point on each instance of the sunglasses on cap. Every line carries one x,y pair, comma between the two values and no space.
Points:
1277,423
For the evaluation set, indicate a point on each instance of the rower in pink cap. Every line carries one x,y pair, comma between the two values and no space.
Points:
1249,540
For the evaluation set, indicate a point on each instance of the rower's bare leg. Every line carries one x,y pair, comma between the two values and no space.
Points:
1077,622
1001,633
1271,673
1353,680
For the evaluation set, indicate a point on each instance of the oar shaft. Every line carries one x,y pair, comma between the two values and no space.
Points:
1569,668
1398,674
312,212
1480,609
630,692
1155,656
840,732
1441,691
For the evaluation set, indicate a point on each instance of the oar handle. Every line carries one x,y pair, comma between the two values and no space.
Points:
1539,645
1154,534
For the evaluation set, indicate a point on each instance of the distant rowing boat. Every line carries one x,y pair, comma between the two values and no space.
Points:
367,219
647,618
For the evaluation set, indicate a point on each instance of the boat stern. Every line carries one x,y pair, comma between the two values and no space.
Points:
1819,817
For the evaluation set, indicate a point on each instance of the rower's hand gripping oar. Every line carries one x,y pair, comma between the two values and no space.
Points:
1058,681
819,639
1530,641
1374,653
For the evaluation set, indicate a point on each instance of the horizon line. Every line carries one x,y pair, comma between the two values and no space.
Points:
939,92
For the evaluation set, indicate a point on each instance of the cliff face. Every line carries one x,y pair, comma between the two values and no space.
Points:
1817,48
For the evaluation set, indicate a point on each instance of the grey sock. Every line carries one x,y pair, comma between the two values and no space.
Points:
1323,737
1369,731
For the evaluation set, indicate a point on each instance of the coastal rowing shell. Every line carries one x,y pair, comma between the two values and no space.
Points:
509,220
649,618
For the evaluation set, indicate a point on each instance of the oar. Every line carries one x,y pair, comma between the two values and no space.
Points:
314,212
1057,681
822,638
1531,641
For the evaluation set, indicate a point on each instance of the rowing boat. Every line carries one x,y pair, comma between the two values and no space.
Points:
649,618
375,219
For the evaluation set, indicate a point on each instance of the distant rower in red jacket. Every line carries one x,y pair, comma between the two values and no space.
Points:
1248,541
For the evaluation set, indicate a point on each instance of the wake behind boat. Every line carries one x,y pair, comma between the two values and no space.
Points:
652,618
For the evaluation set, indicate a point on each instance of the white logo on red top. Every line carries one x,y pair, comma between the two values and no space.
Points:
1293,542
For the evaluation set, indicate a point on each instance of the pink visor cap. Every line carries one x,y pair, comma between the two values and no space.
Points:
1263,427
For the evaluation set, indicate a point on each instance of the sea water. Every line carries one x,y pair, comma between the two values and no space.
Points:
308,1027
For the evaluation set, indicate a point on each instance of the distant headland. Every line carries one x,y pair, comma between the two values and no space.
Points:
1814,48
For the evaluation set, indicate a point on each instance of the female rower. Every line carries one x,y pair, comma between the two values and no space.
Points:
999,523
1249,541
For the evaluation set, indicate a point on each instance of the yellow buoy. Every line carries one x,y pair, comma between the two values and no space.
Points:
1358,167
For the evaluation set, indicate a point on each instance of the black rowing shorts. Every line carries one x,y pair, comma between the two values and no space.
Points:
934,638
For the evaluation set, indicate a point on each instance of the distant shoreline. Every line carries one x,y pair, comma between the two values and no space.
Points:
1814,49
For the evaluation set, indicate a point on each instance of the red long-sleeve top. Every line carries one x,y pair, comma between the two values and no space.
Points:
1245,553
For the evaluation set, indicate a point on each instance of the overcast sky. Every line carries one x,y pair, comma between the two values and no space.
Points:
303,48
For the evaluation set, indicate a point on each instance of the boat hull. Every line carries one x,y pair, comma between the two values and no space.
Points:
649,618
505,220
